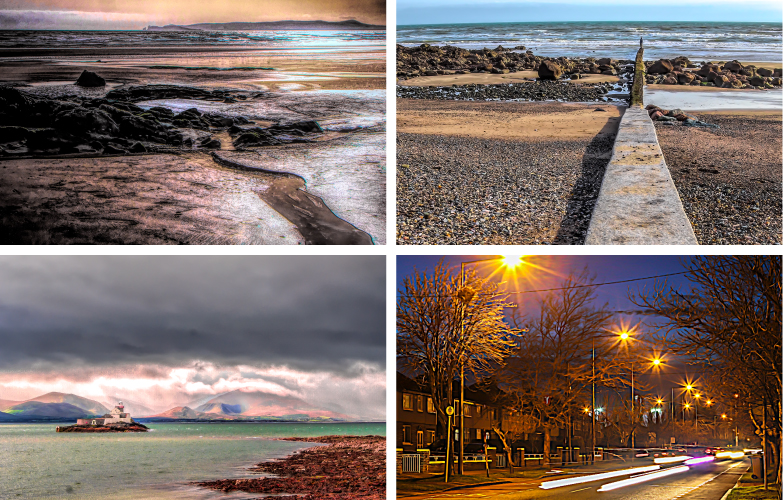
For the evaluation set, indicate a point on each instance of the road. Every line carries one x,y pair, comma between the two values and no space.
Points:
701,482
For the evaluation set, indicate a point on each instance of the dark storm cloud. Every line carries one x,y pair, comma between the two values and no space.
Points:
310,313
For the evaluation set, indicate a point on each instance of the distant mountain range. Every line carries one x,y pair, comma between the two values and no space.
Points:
231,406
272,26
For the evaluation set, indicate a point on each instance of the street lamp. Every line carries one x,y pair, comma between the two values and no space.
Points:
466,295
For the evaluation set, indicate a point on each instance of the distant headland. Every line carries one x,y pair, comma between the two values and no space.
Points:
271,26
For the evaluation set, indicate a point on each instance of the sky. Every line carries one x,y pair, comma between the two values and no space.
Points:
542,272
166,331
464,11
137,14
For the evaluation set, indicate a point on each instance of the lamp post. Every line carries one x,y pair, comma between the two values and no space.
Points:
465,297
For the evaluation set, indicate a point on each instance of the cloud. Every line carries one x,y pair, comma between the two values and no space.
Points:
309,313
360,393
71,20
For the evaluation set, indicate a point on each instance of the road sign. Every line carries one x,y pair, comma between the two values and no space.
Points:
449,410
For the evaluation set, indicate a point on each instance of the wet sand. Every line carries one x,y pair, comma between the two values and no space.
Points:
186,197
503,185
347,467
729,179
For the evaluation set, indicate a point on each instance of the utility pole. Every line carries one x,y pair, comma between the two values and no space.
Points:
764,439
592,415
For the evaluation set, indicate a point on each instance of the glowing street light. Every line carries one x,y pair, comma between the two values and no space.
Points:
624,335
512,261
656,362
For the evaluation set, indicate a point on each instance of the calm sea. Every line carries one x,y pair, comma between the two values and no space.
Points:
37,462
698,41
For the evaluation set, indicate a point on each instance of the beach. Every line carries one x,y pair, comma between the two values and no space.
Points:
343,467
500,172
491,150
729,179
303,106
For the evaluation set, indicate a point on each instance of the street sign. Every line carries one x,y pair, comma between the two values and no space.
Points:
449,410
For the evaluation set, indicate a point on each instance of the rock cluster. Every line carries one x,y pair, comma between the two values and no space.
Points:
119,427
731,75
90,79
429,60
114,125
542,90
349,467
675,116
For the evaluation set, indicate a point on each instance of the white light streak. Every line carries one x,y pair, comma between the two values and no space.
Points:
596,477
671,460
644,477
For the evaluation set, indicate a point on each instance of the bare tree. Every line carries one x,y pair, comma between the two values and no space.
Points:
729,319
443,326
551,365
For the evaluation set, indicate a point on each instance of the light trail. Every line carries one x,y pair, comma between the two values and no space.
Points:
723,454
596,477
644,477
671,460
737,454
700,460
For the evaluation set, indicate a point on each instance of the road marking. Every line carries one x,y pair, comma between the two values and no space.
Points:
574,491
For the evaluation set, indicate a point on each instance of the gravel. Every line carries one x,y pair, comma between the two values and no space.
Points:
543,90
460,190
729,179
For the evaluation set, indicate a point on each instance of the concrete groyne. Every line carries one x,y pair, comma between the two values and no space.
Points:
638,203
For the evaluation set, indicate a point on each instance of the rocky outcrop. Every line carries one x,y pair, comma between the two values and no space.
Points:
110,125
90,79
731,75
429,60
675,116
121,427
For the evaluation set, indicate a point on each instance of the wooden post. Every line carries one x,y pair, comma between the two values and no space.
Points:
637,90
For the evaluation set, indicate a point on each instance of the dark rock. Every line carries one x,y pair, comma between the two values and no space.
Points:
137,148
82,121
733,66
764,72
142,127
210,143
110,149
310,126
660,67
255,137
549,70
90,79
685,78
756,81
153,92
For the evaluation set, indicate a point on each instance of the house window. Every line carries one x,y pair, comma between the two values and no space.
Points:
430,437
419,439
420,403
430,406
456,407
467,410
406,434
407,402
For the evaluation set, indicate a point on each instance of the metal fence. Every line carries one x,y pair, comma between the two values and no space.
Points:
411,463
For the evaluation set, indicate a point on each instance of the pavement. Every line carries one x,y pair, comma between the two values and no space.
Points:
701,482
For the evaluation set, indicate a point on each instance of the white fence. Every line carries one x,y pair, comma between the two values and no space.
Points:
411,463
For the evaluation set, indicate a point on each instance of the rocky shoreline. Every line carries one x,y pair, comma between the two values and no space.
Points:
35,125
121,427
347,467
429,60
730,75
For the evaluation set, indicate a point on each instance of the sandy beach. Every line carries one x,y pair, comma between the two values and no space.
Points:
532,182
156,181
346,467
729,179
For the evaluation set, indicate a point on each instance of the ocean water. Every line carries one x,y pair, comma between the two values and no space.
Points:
37,462
620,40
271,39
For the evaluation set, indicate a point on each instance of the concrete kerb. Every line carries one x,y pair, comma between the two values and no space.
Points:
638,203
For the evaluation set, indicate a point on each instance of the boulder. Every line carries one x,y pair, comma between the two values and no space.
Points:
549,70
733,66
255,137
756,81
90,79
685,78
670,80
606,61
80,122
140,127
707,68
137,148
660,67
764,72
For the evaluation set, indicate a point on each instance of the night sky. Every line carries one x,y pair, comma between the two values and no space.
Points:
543,272
171,329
